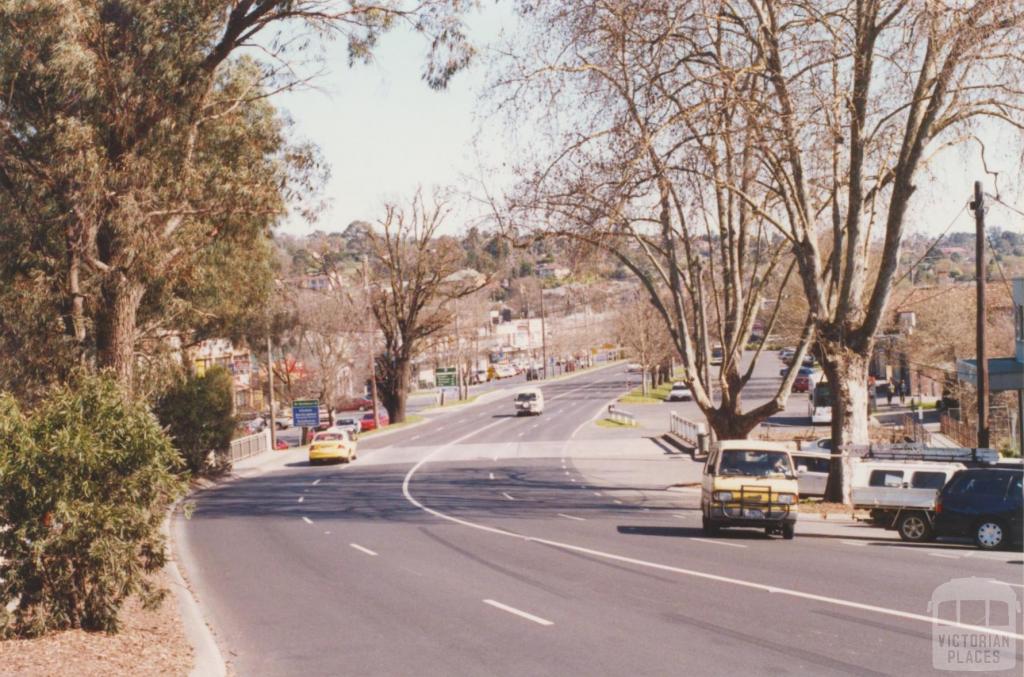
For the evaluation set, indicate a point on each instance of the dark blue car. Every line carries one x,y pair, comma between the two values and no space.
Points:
986,504
804,371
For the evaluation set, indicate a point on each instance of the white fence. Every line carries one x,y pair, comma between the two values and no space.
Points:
620,416
692,433
250,445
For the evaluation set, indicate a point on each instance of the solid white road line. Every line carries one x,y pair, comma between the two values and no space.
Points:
505,494
306,520
518,612
857,543
316,482
301,499
943,555
617,501
490,475
571,517
360,548
693,573
708,540
597,493
682,517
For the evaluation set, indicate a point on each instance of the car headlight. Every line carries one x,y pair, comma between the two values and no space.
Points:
723,496
785,499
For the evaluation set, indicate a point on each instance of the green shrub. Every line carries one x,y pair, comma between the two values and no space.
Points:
85,481
197,414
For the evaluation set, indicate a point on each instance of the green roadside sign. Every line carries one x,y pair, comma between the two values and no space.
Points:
445,377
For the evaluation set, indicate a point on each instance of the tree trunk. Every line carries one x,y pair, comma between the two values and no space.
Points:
393,384
115,327
847,374
729,425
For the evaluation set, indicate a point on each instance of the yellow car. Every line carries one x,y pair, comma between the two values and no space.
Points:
749,483
333,446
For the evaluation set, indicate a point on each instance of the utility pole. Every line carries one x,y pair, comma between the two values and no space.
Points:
458,353
270,383
369,342
980,273
543,334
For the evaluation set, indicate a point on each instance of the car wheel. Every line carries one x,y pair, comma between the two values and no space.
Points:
708,527
914,527
788,531
990,534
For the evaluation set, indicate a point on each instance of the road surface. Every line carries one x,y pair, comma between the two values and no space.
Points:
485,544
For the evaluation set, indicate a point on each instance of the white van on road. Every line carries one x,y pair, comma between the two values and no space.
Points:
529,401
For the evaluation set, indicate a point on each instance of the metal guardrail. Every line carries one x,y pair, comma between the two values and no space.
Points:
692,433
250,445
620,416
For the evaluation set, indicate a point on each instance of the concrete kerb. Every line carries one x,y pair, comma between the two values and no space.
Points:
207,657
207,660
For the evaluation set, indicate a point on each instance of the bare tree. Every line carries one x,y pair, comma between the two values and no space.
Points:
857,97
640,328
638,169
416,273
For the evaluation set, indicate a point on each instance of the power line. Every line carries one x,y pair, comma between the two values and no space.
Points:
932,246
998,200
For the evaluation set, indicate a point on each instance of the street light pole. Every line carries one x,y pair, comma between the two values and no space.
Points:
980,273
370,348
543,334
270,383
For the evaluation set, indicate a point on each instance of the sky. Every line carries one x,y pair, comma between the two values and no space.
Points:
384,132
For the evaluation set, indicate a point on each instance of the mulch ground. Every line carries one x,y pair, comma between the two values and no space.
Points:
149,643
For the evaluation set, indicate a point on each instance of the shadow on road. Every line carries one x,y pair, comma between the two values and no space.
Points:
690,532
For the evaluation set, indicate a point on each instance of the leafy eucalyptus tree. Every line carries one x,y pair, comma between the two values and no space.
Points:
137,137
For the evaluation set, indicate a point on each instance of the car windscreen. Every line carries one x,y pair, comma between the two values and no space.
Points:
754,463
526,397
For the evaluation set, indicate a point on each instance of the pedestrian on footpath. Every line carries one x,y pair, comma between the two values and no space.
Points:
904,389
888,393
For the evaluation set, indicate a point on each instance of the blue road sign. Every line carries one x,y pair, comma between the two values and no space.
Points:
306,413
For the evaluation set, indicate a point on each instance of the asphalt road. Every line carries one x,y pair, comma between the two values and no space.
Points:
481,543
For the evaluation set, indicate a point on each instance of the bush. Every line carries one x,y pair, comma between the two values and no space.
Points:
84,484
197,414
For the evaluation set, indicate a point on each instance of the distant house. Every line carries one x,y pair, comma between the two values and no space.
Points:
319,282
239,361
950,251
550,271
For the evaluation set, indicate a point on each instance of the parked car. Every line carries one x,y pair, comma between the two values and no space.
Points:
366,423
812,471
634,368
333,446
504,371
803,371
985,504
749,483
351,422
680,393
787,354
901,494
717,356
802,384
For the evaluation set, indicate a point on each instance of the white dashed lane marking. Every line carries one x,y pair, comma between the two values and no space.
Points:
518,612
